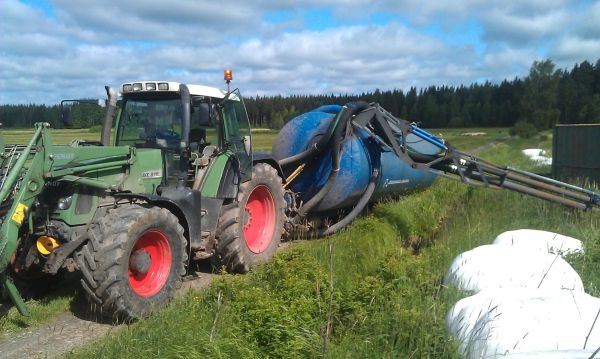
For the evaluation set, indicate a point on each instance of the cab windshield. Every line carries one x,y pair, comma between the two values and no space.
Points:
152,123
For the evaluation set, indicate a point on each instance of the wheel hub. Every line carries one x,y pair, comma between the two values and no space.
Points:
140,261
150,262
247,218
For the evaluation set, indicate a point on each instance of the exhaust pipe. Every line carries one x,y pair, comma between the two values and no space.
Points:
111,107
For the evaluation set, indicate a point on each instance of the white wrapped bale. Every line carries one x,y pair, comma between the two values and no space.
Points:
532,239
537,155
530,152
492,267
527,321
552,354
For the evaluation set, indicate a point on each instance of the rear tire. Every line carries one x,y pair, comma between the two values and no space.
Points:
250,228
133,260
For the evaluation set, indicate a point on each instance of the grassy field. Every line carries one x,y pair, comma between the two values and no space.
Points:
59,136
361,293
262,138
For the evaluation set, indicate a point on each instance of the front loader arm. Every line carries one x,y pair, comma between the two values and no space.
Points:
24,171
18,189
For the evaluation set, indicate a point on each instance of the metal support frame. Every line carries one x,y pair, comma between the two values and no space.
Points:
391,133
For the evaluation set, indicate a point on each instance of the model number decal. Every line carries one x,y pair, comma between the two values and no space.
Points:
393,182
64,156
152,174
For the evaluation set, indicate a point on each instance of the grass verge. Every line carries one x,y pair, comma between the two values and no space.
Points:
41,311
373,291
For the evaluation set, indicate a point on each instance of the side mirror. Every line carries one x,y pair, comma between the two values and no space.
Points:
247,145
66,115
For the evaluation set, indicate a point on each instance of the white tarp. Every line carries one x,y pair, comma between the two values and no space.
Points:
492,267
492,323
532,239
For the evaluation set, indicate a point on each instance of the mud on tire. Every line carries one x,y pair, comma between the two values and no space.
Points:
250,228
132,262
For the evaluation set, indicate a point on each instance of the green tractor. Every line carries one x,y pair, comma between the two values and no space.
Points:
178,183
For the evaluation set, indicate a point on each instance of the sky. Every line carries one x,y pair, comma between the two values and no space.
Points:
64,49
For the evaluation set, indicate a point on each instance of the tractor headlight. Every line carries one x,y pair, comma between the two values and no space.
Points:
163,86
65,202
150,86
137,86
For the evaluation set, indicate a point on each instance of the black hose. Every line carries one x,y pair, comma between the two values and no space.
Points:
422,157
300,157
340,128
322,143
362,202
316,148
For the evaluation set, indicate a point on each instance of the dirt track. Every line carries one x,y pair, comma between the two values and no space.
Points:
73,329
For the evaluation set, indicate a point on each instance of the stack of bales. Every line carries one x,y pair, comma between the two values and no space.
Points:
527,301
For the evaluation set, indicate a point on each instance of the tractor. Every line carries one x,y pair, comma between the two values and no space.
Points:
178,182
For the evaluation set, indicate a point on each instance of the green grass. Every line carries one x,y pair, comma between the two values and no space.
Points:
41,310
373,291
263,138
59,136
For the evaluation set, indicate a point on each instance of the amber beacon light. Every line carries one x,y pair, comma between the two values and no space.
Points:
228,75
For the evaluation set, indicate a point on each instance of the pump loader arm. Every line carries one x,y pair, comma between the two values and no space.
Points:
391,132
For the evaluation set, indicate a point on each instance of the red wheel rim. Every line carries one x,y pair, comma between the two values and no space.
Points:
259,225
154,246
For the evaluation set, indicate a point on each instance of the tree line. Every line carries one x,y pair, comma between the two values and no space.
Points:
543,98
24,116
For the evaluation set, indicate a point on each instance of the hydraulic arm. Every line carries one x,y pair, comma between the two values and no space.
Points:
26,172
391,132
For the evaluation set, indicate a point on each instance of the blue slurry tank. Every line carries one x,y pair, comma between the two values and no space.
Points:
360,154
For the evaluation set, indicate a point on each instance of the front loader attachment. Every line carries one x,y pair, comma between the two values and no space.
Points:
20,182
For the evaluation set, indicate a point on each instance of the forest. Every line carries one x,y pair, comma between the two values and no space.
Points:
546,96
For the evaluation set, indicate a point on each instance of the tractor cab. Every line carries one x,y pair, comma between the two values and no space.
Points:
190,124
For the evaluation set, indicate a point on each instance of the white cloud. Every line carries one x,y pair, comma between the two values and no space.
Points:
86,44
518,29
571,49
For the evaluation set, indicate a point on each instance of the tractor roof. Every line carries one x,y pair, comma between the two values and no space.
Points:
169,86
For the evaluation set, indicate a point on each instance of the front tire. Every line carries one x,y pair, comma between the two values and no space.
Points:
250,228
133,260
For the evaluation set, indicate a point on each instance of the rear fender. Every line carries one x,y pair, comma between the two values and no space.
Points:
195,213
265,157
